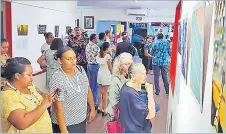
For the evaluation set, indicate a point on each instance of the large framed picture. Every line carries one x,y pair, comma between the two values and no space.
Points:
89,22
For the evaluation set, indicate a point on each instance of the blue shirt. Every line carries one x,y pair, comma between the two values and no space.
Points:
160,52
133,111
148,47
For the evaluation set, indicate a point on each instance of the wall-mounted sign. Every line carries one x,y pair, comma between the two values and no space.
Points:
139,18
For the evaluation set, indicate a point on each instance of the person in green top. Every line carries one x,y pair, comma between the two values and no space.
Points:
120,70
102,38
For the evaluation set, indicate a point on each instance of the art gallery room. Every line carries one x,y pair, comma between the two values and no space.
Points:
195,31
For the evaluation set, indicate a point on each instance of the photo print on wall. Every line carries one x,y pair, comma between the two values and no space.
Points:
218,113
67,28
22,30
89,22
56,29
42,29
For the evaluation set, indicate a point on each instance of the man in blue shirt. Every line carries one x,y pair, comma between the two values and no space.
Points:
161,56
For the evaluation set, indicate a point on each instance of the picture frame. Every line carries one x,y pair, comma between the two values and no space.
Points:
56,29
88,22
42,29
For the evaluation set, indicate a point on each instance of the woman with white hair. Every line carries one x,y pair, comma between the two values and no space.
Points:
120,70
135,114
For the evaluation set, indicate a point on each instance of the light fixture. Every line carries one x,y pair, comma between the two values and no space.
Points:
135,1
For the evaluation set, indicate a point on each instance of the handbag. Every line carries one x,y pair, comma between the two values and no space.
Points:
115,126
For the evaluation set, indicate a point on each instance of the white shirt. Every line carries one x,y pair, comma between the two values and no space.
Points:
119,40
65,39
45,47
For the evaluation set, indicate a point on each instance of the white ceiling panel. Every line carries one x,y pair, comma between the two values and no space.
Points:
125,4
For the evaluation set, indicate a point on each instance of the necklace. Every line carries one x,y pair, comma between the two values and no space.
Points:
36,101
78,89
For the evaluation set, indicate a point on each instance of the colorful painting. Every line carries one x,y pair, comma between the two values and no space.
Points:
197,34
207,33
218,78
22,30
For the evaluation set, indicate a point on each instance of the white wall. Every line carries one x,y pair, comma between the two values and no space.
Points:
120,15
187,116
33,13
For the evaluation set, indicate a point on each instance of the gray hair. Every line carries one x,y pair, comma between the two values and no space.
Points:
123,58
135,68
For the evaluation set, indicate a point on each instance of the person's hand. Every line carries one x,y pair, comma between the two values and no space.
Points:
149,88
48,99
91,115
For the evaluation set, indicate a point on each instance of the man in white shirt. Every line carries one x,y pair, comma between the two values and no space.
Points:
120,39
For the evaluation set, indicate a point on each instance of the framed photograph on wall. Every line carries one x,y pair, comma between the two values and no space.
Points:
41,29
56,31
67,28
88,22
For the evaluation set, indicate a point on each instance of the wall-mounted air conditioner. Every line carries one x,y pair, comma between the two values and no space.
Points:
137,12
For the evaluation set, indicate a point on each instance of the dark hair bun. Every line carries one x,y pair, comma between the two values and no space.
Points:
15,65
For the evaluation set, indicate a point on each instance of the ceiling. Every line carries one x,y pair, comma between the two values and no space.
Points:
125,4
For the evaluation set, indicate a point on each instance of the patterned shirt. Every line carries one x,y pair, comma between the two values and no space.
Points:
160,51
92,51
74,92
52,64
79,49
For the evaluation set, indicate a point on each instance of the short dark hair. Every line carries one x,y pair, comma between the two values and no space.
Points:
3,41
15,65
46,35
102,35
103,48
107,32
160,36
124,33
92,36
56,44
59,53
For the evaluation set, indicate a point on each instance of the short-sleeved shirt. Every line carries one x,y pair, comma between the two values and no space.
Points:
148,47
160,52
12,100
79,49
45,47
114,94
74,102
100,43
52,64
92,50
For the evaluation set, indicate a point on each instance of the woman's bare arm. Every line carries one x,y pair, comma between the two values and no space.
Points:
109,65
60,116
21,119
41,60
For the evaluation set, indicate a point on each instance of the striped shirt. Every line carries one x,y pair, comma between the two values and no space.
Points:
74,101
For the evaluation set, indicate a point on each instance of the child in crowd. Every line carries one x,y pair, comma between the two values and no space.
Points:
104,76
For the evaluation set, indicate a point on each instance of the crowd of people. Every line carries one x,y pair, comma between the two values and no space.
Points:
85,77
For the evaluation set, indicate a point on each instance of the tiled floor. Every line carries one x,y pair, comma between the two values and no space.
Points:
98,125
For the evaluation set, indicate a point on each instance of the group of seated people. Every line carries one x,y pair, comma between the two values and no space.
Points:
83,77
